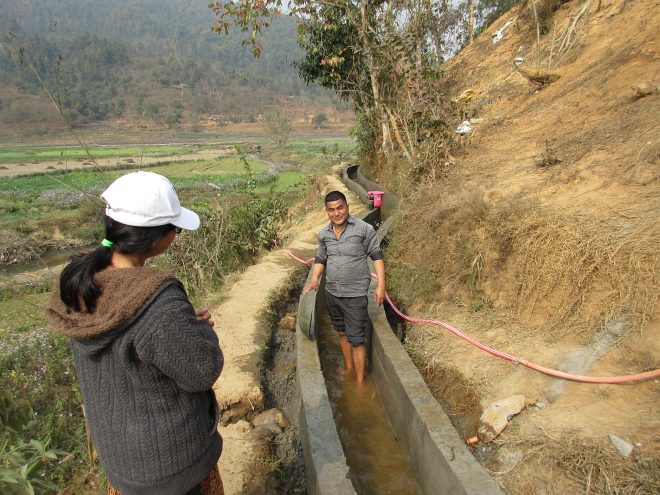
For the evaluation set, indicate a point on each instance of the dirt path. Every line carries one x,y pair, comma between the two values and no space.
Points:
241,337
13,169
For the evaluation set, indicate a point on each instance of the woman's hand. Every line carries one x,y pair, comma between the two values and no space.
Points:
204,314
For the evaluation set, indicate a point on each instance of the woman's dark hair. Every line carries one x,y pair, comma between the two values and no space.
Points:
77,282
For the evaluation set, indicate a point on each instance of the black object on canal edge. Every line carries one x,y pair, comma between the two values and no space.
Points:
307,313
370,332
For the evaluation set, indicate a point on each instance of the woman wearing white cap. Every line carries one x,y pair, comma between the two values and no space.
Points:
146,360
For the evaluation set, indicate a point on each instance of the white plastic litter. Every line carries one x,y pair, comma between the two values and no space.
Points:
624,448
464,128
519,61
499,34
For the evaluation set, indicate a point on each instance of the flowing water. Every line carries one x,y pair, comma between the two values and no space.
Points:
49,259
374,456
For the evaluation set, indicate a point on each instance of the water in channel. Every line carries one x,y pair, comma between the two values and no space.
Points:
48,259
376,461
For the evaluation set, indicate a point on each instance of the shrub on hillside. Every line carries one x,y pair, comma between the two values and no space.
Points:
228,238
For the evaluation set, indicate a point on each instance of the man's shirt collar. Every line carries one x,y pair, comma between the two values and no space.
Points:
350,220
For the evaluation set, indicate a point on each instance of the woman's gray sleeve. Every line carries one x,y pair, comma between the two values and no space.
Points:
181,346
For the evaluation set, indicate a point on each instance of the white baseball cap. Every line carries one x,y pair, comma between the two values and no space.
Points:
146,199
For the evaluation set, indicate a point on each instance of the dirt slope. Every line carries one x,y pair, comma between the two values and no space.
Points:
541,239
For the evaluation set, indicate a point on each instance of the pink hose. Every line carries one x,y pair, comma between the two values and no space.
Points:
548,371
502,355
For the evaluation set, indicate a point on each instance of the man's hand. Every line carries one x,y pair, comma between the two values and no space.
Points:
379,295
317,271
204,314
312,285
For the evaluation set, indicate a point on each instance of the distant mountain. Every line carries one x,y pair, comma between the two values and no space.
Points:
153,59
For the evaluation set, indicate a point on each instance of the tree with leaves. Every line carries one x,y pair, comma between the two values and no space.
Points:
279,128
385,57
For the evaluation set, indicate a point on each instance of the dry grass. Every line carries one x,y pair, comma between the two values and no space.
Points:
569,459
585,266
203,260
539,77
554,266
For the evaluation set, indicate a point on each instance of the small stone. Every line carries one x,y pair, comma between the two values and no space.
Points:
624,448
496,416
288,322
266,433
645,89
272,419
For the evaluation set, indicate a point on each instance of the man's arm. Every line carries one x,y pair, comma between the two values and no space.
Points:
319,266
317,271
374,251
379,295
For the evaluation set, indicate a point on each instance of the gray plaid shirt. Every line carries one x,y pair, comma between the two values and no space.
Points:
347,268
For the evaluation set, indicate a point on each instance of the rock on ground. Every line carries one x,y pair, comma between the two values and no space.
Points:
496,416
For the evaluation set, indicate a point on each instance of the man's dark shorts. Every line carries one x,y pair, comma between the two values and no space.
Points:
350,315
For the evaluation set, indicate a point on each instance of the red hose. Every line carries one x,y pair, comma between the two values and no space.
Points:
502,355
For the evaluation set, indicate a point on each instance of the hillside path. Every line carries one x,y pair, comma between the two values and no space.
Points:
237,323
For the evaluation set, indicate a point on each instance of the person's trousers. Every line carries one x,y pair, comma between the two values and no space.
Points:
211,485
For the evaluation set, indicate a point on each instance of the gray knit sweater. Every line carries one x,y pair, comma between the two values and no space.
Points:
146,368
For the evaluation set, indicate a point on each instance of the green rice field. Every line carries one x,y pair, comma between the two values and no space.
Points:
180,173
31,154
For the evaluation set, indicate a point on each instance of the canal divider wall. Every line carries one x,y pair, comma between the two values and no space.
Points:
326,470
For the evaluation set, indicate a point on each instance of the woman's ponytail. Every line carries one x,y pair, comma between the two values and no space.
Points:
77,280
77,283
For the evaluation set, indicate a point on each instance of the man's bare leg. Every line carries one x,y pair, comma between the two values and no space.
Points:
360,361
346,350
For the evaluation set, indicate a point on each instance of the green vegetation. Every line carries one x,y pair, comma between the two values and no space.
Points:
40,415
146,59
315,154
181,173
288,180
31,154
42,433
323,146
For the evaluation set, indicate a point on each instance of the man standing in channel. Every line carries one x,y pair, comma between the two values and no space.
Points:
344,245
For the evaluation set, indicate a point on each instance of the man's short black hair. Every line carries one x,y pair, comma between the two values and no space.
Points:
335,196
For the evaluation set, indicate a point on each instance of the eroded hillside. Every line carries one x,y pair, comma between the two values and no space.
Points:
540,238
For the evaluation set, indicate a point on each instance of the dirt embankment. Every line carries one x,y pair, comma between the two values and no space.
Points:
543,243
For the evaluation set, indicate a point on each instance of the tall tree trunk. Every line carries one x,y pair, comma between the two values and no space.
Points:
470,6
382,118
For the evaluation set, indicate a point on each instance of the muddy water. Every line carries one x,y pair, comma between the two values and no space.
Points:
48,259
375,459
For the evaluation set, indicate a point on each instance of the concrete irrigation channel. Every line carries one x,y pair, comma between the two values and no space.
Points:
431,450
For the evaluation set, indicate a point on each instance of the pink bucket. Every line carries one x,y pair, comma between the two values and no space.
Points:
377,197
